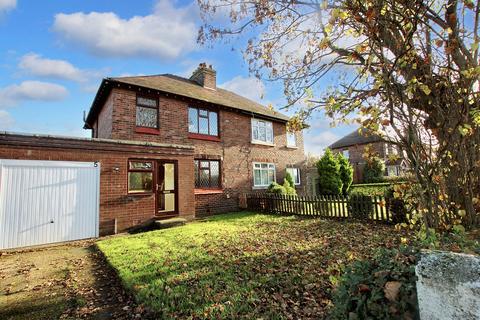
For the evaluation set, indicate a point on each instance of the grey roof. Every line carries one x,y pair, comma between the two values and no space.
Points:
173,84
361,136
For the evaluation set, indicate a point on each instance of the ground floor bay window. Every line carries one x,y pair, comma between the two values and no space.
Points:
263,174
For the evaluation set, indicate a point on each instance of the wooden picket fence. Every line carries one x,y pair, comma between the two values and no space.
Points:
321,206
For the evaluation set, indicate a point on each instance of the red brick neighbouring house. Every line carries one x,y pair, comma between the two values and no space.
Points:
353,146
170,146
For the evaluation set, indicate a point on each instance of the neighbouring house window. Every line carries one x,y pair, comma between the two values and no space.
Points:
140,176
207,174
262,131
291,139
393,171
346,154
147,112
295,173
263,174
390,149
202,121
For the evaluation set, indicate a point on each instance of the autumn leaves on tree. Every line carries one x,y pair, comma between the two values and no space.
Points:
407,69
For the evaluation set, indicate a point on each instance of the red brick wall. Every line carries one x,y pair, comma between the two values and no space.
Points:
235,149
357,160
115,202
103,126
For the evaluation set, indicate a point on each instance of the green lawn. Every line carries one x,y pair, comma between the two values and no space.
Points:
242,265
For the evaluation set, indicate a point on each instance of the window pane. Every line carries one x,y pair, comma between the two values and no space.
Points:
297,176
269,135
291,141
254,133
213,119
264,165
257,180
262,136
140,182
147,102
147,117
214,174
203,125
140,165
271,176
204,178
203,112
193,120
264,177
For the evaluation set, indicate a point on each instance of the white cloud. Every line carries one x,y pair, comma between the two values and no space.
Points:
34,64
7,5
316,142
31,90
6,121
251,88
167,33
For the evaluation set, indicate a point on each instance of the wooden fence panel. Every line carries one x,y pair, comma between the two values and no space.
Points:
328,206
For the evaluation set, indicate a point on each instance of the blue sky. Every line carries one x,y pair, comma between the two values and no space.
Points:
53,55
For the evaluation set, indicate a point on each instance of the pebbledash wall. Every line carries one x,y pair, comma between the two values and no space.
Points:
115,202
234,149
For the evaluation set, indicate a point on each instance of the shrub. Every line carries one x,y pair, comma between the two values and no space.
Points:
286,189
289,178
371,189
360,206
346,173
289,189
374,170
328,168
396,206
380,288
276,188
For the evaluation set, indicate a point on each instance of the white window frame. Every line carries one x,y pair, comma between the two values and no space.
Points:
348,153
289,136
270,166
299,182
256,127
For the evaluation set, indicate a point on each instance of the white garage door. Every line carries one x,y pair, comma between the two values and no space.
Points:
47,201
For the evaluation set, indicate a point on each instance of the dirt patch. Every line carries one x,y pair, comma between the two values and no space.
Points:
62,282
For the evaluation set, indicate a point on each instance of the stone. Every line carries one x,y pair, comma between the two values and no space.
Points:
448,286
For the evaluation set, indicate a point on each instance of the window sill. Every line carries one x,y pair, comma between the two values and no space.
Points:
147,130
207,191
268,144
203,137
141,194
259,188
292,147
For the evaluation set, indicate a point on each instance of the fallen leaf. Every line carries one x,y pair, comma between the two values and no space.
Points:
391,290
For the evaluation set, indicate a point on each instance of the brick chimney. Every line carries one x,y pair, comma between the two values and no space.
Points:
205,76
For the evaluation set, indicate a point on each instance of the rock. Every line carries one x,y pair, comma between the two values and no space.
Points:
448,286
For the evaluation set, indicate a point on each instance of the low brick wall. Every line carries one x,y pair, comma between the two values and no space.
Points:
215,203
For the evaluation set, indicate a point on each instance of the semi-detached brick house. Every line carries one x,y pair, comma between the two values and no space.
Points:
170,146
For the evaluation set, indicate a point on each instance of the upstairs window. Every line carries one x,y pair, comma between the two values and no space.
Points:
262,131
202,121
140,176
346,153
295,173
291,139
263,174
207,174
147,112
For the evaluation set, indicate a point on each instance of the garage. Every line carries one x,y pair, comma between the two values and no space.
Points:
45,202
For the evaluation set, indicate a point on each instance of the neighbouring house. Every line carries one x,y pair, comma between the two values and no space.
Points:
161,146
352,146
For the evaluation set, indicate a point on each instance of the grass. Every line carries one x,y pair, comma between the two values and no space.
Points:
242,265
